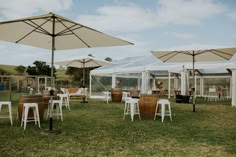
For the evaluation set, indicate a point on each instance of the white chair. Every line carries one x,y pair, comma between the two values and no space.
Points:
55,104
125,95
106,96
131,108
212,96
65,100
163,112
25,118
7,103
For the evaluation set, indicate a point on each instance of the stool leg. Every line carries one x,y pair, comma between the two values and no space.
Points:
125,110
25,116
10,113
132,111
156,112
162,112
60,108
137,105
37,116
22,116
169,111
68,103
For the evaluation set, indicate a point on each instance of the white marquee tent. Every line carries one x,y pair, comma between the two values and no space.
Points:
143,68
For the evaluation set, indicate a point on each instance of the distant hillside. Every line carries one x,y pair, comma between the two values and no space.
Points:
10,69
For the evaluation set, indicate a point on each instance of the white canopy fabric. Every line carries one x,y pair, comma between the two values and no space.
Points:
199,55
37,31
140,64
84,62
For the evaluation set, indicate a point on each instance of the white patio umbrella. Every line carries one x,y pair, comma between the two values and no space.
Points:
195,56
54,32
83,62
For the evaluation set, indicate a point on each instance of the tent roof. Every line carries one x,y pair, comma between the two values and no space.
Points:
150,63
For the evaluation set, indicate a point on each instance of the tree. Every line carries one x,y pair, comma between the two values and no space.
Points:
77,75
40,68
20,69
3,72
108,59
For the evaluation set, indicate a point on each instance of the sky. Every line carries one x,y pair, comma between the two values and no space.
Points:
149,24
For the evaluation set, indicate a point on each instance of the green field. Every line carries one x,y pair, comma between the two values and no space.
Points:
98,129
9,68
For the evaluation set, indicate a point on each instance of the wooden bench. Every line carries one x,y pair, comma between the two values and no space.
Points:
77,93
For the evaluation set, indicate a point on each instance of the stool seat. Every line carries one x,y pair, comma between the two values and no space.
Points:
163,112
7,103
131,108
55,104
25,118
125,95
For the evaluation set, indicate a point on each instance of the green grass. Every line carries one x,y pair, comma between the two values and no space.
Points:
97,129
9,68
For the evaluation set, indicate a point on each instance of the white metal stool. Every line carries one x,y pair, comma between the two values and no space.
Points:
25,118
65,100
6,103
58,105
125,95
164,112
107,96
131,108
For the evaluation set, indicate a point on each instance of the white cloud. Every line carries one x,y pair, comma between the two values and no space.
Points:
234,35
232,15
133,18
14,8
187,11
120,18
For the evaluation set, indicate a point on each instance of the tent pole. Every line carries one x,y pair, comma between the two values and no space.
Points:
193,88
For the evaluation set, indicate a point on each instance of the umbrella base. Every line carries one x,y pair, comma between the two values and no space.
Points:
48,132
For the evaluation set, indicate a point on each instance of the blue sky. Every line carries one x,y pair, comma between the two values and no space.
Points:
149,24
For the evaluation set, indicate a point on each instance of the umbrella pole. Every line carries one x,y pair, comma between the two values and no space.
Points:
193,88
52,71
84,82
83,74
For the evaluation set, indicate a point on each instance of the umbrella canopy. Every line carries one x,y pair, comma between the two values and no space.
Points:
54,32
39,31
195,56
84,62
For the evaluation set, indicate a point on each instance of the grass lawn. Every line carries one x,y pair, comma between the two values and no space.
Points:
97,129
